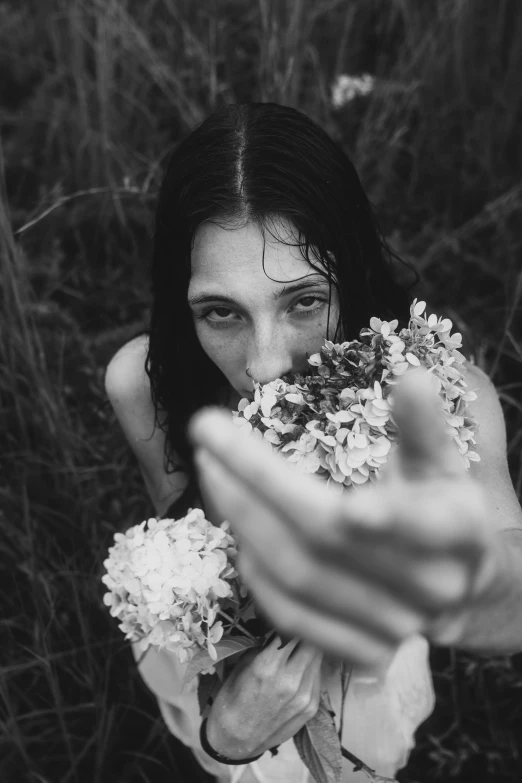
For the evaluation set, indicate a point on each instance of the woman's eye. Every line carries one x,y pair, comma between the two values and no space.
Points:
221,312
219,315
309,303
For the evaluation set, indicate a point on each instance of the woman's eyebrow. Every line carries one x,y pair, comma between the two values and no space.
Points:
312,282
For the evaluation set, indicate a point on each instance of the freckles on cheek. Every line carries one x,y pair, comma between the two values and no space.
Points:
219,349
313,335
330,324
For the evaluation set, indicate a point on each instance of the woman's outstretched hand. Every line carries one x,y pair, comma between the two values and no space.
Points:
266,699
357,574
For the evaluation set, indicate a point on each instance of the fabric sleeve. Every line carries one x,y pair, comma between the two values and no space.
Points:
163,674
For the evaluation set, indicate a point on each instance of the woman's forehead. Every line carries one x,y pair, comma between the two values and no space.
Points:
225,256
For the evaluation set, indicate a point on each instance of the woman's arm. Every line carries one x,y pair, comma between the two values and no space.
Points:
128,389
260,705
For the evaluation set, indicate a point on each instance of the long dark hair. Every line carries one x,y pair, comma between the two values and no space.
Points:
250,162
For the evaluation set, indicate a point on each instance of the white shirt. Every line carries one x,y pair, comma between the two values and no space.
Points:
381,715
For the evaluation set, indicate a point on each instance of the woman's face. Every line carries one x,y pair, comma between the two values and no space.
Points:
243,317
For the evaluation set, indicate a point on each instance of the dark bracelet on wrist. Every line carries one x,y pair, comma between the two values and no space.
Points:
209,750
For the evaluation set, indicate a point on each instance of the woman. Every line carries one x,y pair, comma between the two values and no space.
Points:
265,244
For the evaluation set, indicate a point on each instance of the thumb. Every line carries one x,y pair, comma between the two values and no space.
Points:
426,449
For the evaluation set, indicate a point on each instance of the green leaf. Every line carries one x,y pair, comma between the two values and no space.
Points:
225,648
206,686
318,744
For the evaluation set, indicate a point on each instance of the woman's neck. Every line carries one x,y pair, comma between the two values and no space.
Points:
230,398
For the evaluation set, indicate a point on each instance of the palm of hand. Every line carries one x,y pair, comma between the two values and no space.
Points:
357,574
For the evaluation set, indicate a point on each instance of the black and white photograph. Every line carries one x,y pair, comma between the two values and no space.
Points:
261,391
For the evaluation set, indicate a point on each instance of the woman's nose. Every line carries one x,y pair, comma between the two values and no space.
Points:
269,358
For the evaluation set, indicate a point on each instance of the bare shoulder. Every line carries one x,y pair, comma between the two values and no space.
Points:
487,410
125,376
474,375
128,389
490,436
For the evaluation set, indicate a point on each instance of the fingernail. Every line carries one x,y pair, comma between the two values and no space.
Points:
270,638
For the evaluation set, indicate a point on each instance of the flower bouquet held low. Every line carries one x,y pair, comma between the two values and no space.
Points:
173,583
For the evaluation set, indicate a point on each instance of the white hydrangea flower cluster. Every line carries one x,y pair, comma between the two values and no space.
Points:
345,88
167,580
338,421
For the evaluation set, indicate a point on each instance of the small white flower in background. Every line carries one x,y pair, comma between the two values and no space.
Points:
345,88
166,579
338,420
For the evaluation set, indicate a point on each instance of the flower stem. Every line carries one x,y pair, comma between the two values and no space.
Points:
237,625
346,675
368,771
142,656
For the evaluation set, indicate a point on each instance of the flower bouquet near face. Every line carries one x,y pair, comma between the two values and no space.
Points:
173,583
337,419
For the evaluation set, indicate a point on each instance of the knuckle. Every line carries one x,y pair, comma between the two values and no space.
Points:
448,581
313,706
261,668
302,701
288,687
257,671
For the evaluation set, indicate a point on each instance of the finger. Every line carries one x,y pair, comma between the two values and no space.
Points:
310,672
260,524
373,585
368,591
338,638
306,655
281,650
319,519
428,518
312,686
425,448
296,573
256,526
309,683
377,585
297,499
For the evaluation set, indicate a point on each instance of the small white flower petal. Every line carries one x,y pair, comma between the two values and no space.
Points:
376,324
267,403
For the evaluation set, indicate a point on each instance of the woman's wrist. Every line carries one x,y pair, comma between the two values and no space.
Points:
217,747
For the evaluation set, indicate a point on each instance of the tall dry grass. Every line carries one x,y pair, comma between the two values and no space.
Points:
92,96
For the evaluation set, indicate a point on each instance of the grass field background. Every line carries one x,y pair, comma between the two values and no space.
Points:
93,94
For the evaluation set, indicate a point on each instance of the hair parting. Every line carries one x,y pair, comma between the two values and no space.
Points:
257,162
